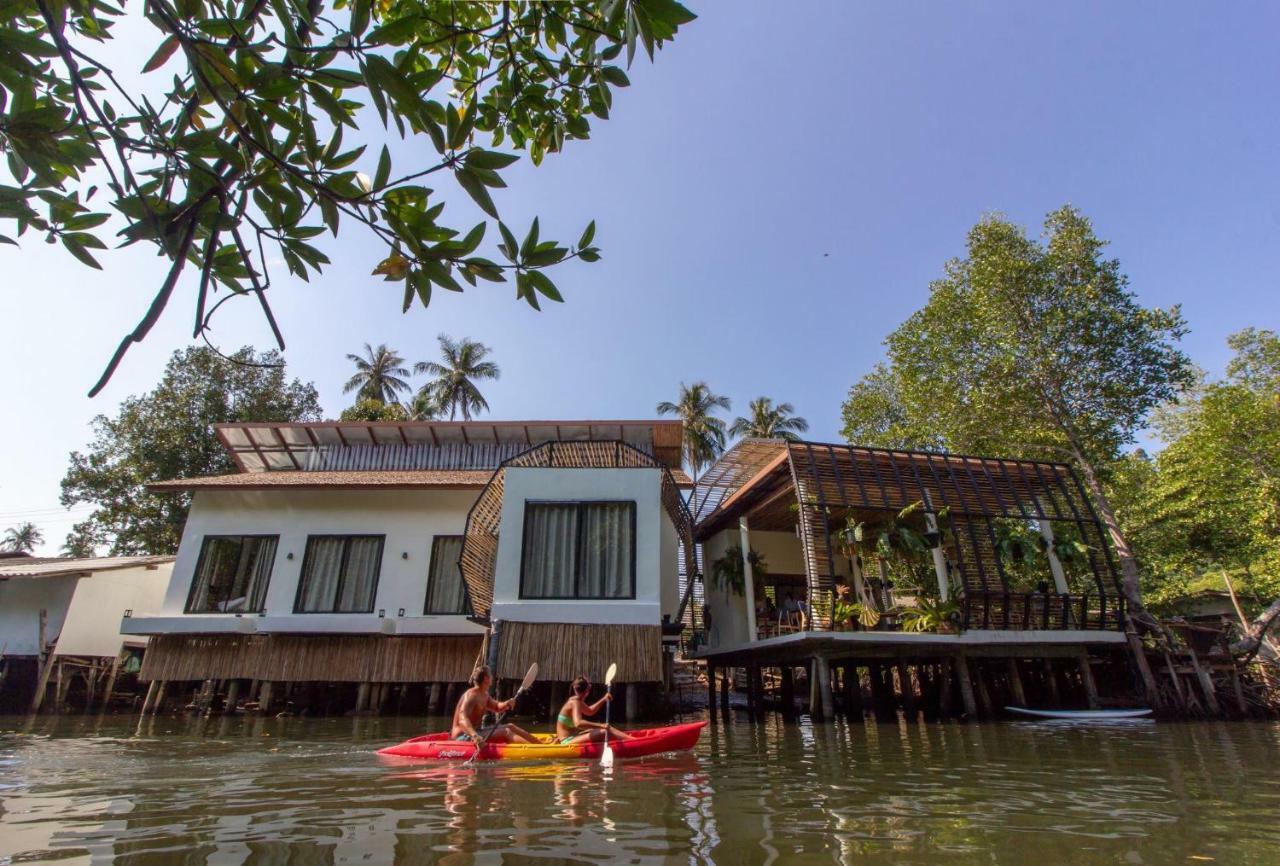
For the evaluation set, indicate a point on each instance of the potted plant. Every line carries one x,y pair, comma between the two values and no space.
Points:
930,615
726,572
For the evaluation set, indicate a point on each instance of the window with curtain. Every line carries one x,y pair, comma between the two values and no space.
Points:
339,574
232,574
446,593
579,550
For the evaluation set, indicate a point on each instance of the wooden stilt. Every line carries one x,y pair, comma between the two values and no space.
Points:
1177,681
1051,680
824,688
1139,653
633,702
1015,684
966,686
1086,679
1206,684
264,697
159,704
906,689
60,687
362,697
852,691
711,691
755,689
150,698
726,676
787,690
815,699
879,698
451,697
110,688
233,696
435,699
1241,704
984,692
946,689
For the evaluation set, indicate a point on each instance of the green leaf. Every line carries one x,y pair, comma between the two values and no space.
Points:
530,240
509,247
440,275
615,76
524,289
464,126
76,248
383,174
588,235
162,55
477,191
489,159
543,284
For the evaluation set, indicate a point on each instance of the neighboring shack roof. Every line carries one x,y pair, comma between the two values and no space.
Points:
61,566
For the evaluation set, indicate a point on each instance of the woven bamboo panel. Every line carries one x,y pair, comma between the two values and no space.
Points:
564,651
480,545
311,658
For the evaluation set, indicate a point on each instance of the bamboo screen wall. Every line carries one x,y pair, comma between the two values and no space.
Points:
480,543
833,480
565,651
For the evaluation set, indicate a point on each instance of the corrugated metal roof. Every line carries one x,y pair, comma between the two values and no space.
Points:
381,479
34,567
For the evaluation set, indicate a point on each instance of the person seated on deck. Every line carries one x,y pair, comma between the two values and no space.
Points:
792,613
572,728
475,702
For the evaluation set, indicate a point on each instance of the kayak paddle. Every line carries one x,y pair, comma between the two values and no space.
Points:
606,755
529,677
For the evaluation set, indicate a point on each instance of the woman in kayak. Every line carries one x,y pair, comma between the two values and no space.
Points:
571,724
476,701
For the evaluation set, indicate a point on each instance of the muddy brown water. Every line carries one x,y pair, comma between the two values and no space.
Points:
299,791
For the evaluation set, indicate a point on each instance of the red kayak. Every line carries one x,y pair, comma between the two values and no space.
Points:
650,741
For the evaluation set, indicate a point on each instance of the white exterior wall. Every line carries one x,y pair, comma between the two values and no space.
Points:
21,600
92,626
410,520
656,563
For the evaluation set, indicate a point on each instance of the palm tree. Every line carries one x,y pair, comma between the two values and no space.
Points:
704,434
423,406
767,421
378,375
22,538
452,385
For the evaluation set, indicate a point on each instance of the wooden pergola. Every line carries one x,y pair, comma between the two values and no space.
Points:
812,489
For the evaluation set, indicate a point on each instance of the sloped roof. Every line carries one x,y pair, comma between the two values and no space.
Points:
296,479
62,566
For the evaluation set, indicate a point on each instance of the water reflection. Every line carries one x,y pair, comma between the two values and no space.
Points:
247,790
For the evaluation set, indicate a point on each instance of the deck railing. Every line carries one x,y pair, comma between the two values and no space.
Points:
989,609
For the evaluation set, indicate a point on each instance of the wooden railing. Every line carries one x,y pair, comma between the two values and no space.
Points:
988,609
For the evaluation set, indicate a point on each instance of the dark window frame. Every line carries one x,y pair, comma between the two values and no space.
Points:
342,572
204,550
466,594
581,505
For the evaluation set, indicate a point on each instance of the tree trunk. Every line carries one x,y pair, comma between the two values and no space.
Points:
1130,577
1252,641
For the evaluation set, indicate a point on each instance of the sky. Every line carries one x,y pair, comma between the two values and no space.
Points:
772,197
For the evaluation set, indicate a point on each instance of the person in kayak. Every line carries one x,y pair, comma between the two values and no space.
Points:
572,727
475,702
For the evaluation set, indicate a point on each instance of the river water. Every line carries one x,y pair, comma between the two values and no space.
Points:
301,791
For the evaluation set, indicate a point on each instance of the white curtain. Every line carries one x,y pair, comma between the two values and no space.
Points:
607,546
550,550
360,581
444,584
232,574
261,556
324,571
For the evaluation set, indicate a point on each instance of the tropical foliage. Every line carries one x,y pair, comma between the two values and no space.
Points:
23,538
250,132
704,433
374,410
1030,350
1209,501
168,433
764,420
727,574
379,375
452,385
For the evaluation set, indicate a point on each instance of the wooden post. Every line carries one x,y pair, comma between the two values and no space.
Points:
1139,653
60,687
966,686
1051,679
264,697
45,656
984,693
111,684
151,696
1177,681
633,702
748,579
90,686
159,705
1241,704
1086,678
946,687
1015,684
1206,684
824,688
711,692
907,689
815,699
362,697
435,698
725,676
233,695
879,700
787,690
852,691
451,698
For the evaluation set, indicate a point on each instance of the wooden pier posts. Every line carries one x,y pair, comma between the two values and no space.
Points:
1086,679
961,665
787,691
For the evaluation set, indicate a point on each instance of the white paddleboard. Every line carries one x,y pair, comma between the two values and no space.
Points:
1081,715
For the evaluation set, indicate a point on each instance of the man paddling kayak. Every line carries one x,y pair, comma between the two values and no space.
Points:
475,702
572,727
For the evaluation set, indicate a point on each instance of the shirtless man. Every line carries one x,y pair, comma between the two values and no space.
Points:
475,702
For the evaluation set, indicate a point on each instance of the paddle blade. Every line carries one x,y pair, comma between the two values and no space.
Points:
606,756
610,674
529,678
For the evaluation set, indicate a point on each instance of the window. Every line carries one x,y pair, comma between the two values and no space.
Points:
579,550
339,574
446,592
232,574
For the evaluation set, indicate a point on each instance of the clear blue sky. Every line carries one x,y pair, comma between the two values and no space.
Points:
765,137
